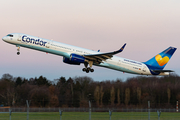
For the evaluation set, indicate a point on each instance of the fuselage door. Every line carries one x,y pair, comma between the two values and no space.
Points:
19,38
144,68
119,62
48,44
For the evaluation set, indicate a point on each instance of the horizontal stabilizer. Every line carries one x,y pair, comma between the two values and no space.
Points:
163,71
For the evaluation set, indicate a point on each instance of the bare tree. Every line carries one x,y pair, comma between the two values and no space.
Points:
139,94
169,94
127,96
112,95
101,96
118,97
97,95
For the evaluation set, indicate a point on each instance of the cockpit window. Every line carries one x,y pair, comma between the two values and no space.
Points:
10,35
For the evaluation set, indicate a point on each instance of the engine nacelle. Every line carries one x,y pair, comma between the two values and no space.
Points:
77,58
74,59
66,60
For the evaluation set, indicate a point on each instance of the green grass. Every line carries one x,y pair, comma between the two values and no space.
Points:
94,116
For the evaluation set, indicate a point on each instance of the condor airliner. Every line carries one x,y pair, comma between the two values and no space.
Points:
76,55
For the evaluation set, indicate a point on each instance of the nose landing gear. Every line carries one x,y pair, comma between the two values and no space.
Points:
18,50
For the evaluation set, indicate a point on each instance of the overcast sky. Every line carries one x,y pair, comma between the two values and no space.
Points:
148,27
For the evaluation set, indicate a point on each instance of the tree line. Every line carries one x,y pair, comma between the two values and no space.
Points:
162,92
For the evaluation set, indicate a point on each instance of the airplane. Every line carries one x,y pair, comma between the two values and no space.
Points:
75,55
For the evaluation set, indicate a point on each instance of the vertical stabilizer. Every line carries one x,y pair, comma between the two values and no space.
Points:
159,61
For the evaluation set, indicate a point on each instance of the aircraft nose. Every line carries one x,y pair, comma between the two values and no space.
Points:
4,38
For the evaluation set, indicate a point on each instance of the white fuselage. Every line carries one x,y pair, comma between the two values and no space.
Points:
61,49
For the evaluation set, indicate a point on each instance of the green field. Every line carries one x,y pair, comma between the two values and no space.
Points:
94,116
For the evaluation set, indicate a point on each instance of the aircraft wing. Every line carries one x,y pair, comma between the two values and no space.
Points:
98,58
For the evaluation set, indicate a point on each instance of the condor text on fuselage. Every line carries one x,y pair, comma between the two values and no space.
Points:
33,41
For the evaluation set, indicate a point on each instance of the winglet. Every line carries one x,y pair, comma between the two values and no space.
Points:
122,48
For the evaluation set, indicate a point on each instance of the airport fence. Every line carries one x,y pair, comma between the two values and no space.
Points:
88,114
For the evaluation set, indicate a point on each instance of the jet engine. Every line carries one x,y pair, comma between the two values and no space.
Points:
74,59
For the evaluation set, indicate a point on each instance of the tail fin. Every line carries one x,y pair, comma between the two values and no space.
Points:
159,61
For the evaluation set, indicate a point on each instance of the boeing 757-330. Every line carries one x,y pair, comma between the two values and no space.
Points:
75,55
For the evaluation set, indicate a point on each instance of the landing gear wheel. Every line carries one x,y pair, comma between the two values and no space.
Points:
87,71
92,70
84,69
18,53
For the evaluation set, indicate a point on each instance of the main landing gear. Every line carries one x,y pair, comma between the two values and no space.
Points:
18,50
87,69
